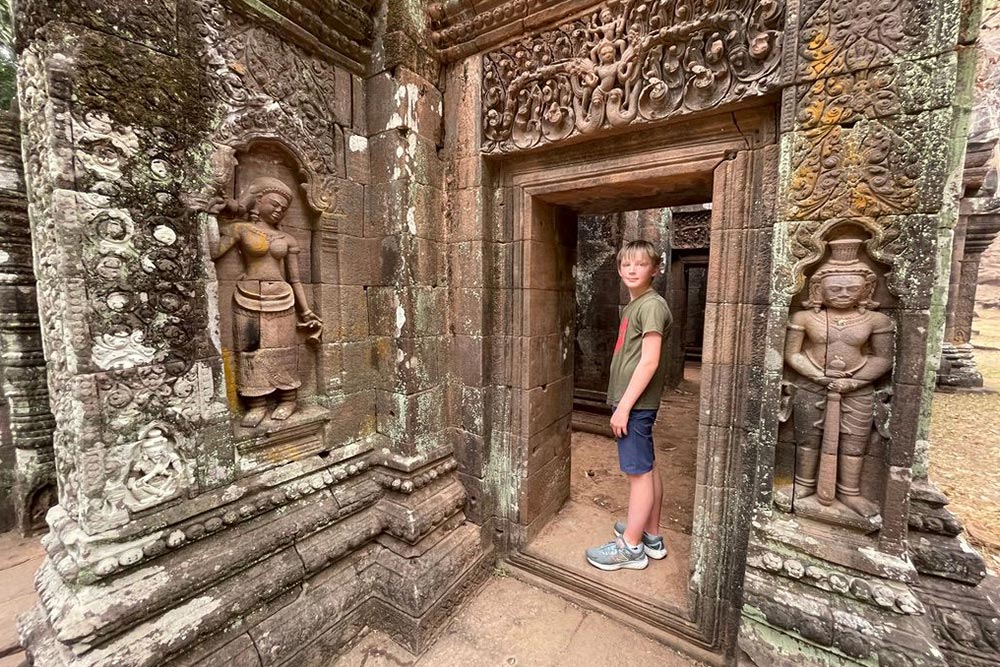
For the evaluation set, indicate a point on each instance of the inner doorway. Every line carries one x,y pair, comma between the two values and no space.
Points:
720,159
598,494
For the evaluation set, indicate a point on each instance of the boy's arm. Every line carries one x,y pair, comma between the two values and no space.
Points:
649,360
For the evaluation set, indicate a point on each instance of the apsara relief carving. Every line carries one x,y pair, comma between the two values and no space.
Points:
269,302
628,62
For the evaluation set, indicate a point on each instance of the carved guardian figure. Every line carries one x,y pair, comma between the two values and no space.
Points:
268,294
835,350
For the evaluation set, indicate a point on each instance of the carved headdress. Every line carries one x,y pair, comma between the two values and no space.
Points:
265,184
843,261
260,186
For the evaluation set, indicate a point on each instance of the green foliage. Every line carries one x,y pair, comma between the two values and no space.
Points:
8,62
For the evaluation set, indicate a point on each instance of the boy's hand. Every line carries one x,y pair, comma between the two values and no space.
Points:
619,423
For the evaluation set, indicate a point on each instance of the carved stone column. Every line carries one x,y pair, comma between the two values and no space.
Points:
28,486
894,173
978,225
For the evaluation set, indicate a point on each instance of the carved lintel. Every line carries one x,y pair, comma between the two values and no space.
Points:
626,64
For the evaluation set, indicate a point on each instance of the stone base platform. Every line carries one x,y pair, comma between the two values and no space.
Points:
290,587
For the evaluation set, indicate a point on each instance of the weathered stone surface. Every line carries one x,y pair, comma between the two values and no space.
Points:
434,415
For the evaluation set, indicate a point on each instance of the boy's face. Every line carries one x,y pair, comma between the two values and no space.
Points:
637,271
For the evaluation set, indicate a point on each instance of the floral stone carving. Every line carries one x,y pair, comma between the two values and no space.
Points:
835,350
268,294
628,62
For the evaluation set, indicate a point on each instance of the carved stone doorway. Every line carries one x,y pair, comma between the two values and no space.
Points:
719,159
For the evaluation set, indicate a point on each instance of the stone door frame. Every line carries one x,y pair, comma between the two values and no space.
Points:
735,154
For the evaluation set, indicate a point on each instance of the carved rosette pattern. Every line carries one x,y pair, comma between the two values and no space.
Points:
121,282
627,64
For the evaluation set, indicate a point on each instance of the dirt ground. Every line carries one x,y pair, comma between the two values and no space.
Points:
965,445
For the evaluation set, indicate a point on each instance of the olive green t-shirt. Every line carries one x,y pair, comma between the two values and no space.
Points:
648,312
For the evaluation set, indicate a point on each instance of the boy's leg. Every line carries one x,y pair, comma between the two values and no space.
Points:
640,504
653,523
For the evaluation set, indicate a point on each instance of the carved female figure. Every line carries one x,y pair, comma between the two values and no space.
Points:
837,347
267,296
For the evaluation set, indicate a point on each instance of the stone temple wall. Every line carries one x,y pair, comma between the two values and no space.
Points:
158,136
306,291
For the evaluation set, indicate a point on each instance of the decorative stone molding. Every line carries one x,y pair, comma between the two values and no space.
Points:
417,480
85,561
965,620
883,594
628,64
861,632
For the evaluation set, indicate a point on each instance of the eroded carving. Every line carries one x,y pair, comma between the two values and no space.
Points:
836,348
271,88
840,36
267,297
690,230
156,471
628,63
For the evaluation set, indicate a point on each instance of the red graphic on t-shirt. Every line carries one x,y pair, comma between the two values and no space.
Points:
621,335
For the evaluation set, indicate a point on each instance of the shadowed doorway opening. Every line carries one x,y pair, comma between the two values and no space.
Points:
598,490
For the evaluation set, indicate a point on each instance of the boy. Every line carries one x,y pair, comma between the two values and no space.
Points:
637,376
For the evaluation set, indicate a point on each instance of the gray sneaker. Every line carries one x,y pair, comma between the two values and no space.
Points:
615,556
653,545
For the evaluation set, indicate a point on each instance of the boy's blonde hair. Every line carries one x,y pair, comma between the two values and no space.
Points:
633,248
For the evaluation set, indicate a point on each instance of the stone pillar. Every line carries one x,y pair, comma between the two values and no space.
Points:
417,402
974,234
978,224
817,573
28,486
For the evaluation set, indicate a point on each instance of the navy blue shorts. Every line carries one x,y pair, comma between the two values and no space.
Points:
635,450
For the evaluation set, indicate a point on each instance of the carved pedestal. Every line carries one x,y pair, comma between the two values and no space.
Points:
958,369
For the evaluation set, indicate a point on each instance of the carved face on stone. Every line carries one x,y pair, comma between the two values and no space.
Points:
606,54
843,291
271,207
